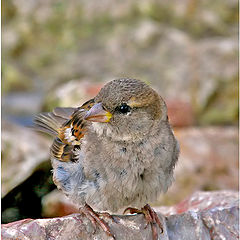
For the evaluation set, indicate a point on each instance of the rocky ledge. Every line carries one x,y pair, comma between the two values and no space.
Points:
204,215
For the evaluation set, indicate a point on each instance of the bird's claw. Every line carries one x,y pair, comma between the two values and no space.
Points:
132,210
151,217
96,220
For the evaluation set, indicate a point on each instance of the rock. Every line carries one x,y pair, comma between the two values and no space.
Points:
202,166
22,152
146,33
18,203
186,48
20,104
212,215
202,201
73,93
180,113
208,161
197,218
26,172
56,204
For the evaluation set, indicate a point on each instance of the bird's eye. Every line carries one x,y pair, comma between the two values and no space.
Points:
124,108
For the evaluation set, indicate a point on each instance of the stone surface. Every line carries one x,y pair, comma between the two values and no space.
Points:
208,161
205,216
23,151
56,204
73,93
180,113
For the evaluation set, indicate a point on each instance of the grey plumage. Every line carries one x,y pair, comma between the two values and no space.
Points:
126,161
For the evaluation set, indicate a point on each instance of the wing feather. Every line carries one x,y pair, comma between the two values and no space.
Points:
68,127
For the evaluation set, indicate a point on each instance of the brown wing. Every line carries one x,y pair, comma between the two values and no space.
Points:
51,122
68,126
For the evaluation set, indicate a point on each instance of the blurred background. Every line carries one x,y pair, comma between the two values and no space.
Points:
60,53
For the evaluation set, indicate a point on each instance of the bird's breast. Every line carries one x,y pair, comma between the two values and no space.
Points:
124,173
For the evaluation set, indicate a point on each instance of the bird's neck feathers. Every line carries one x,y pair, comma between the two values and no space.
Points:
104,131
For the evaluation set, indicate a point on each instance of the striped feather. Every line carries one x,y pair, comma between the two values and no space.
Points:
68,126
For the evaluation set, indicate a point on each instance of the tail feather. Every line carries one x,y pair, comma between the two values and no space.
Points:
43,128
51,122
45,123
65,113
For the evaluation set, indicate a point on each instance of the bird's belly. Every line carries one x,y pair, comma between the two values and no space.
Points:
123,189
124,176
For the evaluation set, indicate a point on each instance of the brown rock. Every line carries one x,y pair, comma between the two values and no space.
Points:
217,220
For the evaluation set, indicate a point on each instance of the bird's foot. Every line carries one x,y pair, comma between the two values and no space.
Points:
151,217
94,217
106,215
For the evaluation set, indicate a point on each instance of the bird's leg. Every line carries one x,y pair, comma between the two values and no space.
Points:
151,217
95,219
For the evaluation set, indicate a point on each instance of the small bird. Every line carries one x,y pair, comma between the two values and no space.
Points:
116,151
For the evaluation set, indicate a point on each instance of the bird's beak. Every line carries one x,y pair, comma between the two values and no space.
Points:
98,114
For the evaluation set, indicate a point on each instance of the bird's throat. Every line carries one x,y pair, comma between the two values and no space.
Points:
105,131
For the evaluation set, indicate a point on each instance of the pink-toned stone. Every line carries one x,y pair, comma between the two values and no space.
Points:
192,219
180,113
56,204
93,89
202,201
208,161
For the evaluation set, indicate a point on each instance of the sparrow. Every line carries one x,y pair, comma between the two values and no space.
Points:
117,151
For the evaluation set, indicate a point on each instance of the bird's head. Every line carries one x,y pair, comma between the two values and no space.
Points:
126,109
